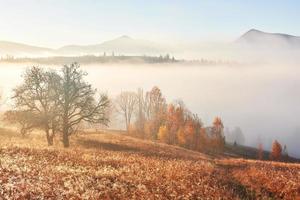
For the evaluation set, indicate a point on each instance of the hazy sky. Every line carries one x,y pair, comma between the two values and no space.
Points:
58,22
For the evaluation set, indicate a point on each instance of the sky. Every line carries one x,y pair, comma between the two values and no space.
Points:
54,23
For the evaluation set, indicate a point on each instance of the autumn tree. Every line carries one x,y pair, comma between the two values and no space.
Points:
202,142
77,101
154,107
174,120
218,139
36,96
198,138
189,132
163,134
276,151
125,104
181,136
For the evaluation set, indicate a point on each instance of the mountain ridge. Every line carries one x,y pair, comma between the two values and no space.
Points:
253,39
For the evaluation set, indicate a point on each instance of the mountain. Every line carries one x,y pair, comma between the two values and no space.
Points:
121,45
260,39
253,44
18,49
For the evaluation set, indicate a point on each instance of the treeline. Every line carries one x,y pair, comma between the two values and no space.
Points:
112,58
149,116
90,59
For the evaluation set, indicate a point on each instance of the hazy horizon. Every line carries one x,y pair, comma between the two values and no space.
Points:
57,23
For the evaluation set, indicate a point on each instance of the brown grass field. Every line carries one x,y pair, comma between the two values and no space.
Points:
108,165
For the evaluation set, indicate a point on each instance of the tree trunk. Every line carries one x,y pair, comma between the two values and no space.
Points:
49,137
66,137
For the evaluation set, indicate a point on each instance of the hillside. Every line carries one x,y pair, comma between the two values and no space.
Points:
23,50
109,165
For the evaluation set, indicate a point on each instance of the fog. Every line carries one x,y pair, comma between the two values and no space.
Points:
261,99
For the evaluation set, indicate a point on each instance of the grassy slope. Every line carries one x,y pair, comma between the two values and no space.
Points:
111,165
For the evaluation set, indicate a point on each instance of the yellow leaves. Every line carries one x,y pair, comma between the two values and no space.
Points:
163,134
181,137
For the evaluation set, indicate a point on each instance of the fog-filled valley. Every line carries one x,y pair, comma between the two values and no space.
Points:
260,99
149,99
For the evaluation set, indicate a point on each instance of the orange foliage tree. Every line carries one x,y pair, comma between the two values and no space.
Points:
203,139
155,109
218,139
174,123
163,134
174,120
276,151
181,138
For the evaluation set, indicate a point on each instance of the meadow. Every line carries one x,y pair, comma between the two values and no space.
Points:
114,165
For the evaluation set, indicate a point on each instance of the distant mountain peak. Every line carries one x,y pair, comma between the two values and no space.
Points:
259,38
125,37
254,30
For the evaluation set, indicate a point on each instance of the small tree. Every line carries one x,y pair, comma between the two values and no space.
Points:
190,133
285,152
276,151
140,113
126,104
155,110
218,136
174,120
238,136
77,102
203,139
260,152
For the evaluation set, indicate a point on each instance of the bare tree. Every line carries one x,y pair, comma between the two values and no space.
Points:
25,120
125,104
36,96
77,101
140,112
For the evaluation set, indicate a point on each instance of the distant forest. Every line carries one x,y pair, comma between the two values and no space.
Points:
104,58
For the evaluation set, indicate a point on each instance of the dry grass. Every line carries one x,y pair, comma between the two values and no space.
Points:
266,179
115,166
